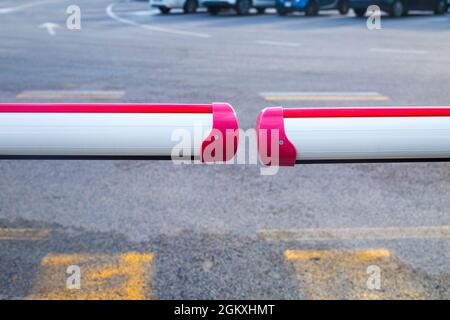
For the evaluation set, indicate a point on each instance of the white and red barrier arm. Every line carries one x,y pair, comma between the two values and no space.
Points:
113,130
376,134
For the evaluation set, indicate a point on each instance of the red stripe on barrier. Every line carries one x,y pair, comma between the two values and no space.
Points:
103,108
366,112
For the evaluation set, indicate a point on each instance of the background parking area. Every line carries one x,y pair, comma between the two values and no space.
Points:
154,230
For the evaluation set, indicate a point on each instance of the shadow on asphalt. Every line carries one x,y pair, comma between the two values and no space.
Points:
187,265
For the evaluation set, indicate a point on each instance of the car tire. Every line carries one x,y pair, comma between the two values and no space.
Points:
243,7
312,9
282,11
397,9
260,10
441,7
343,7
213,11
360,13
190,6
164,10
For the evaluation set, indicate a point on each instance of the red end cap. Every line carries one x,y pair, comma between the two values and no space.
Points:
270,126
357,112
222,142
103,108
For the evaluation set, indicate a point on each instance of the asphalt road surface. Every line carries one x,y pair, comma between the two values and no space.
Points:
143,229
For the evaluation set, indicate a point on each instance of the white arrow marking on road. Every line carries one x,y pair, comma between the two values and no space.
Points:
50,27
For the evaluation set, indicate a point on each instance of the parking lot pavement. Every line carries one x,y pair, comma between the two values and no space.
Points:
195,231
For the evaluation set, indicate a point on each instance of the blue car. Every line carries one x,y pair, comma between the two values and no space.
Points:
398,8
311,7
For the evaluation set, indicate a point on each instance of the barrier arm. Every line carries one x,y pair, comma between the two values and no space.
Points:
375,134
113,131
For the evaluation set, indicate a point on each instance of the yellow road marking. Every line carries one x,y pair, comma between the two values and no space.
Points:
63,94
327,98
364,255
124,276
24,234
356,233
344,274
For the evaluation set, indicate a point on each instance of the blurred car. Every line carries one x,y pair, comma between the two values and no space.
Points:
311,7
188,6
242,7
398,8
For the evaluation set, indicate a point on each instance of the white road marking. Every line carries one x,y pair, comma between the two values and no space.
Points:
10,50
23,7
399,51
278,43
323,96
143,13
434,232
24,234
322,93
50,27
65,94
114,16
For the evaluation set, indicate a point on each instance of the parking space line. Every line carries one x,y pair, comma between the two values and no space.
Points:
362,255
390,233
125,276
24,234
114,16
323,96
400,51
23,7
278,43
353,274
65,94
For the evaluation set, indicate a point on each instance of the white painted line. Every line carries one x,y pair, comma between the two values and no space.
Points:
64,94
321,93
399,51
278,43
391,233
114,16
23,7
24,234
143,13
323,96
10,50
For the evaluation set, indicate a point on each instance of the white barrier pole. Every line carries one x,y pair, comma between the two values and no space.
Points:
109,130
359,134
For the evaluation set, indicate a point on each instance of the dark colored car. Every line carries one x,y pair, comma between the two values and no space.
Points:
398,8
311,7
